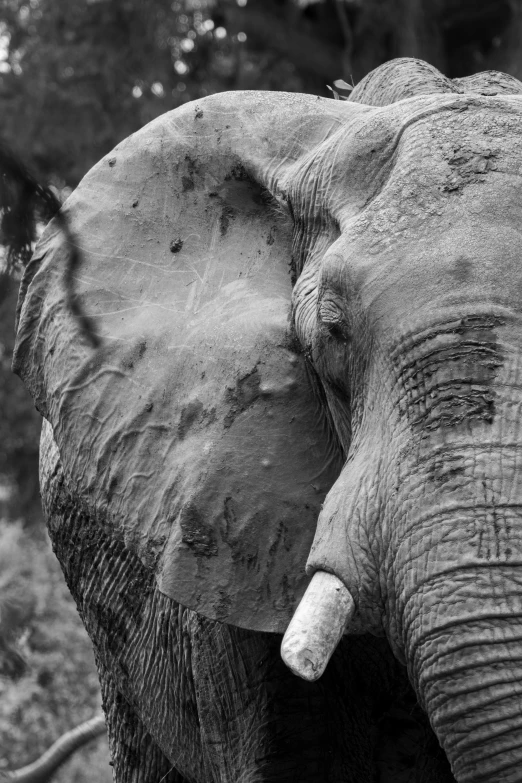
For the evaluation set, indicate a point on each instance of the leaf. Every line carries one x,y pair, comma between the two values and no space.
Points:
336,94
342,85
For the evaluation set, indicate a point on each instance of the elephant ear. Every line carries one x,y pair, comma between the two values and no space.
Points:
193,430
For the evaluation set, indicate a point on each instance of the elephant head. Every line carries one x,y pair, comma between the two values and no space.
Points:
311,369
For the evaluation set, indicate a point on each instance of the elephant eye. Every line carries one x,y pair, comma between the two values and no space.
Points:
336,331
332,320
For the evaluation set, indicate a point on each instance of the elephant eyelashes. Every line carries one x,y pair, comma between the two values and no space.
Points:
332,320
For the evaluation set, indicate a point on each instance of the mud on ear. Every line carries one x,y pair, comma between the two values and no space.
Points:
193,430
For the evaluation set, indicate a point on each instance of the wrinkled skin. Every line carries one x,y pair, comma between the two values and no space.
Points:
193,699
404,207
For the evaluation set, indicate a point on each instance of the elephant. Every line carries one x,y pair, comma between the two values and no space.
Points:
303,419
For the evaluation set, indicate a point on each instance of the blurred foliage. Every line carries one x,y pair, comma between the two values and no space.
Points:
53,684
76,77
19,424
79,76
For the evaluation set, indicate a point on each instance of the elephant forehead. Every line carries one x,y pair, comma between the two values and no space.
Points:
453,149
466,266
408,155
446,167
444,231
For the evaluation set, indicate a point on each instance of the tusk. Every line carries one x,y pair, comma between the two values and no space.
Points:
317,626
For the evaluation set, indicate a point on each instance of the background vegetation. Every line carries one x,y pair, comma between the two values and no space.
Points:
77,76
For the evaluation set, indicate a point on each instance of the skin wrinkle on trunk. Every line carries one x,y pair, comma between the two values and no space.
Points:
464,584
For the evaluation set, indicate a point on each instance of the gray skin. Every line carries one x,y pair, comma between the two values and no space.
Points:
172,456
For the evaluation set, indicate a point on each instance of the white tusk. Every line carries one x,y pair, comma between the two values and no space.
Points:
317,626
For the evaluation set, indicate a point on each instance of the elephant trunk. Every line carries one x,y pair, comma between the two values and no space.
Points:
453,577
468,675
458,616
